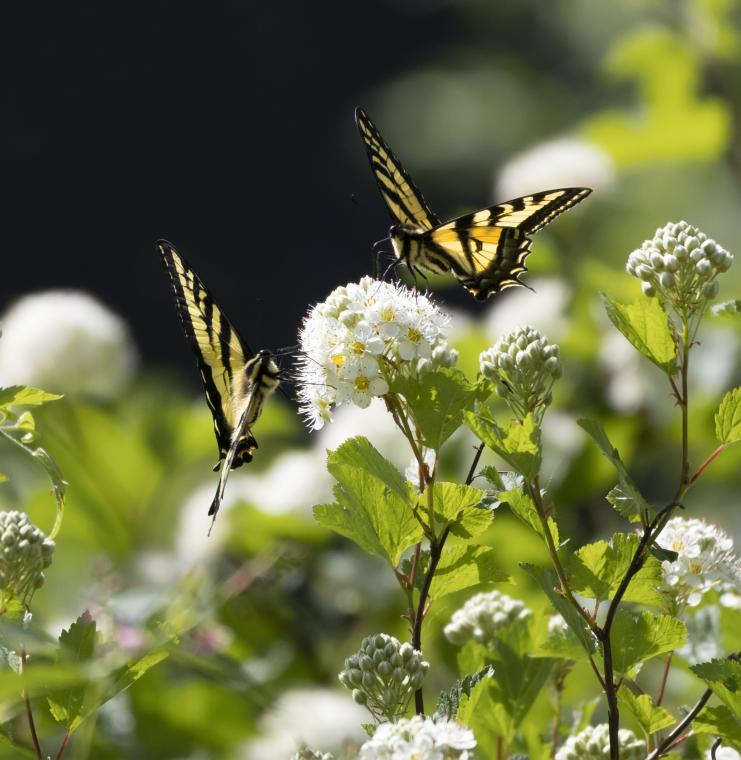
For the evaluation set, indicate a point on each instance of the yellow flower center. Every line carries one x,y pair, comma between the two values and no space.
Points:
695,567
338,360
677,545
387,314
361,383
414,335
358,347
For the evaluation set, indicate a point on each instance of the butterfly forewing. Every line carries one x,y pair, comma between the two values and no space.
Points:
403,199
220,351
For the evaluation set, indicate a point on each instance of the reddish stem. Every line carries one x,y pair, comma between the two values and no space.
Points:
707,462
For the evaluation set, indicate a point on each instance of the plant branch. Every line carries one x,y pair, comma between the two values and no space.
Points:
472,471
676,735
436,550
707,462
63,745
664,678
29,712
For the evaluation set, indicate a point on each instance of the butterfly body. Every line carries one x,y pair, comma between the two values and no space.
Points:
485,250
237,381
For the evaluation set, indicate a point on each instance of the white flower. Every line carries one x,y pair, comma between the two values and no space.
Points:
419,738
705,561
483,616
354,341
563,162
723,753
307,717
593,743
66,342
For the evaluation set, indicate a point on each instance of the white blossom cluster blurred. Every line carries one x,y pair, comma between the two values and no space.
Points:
66,342
593,743
354,340
483,616
705,560
419,738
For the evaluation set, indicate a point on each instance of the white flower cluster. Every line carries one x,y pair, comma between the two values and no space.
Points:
680,265
353,342
723,753
705,561
524,366
310,754
383,675
483,616
593,743
419,738
66,342
25,552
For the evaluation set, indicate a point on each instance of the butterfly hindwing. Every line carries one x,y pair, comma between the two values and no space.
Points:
219,350
486,250
404,201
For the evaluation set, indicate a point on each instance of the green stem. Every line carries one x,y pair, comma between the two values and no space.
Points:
29,712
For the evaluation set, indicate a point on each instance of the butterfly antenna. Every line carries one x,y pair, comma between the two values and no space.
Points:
286,350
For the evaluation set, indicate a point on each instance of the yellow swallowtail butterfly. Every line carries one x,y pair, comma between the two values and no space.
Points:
485,250
236,380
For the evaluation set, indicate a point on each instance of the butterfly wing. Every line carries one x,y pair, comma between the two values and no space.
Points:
220,352
486,250
403,199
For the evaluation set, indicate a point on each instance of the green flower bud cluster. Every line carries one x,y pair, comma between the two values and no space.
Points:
593,743
310,754
679,265
524,366
25,552
482,618
383,675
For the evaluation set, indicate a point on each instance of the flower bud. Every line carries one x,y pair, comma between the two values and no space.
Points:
309,754
26,553
386,687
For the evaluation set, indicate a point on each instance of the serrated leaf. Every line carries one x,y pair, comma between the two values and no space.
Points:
651,717
460,508
597,569
628,499
646,326
548,582
449,701
23,395
724,678
373,504
637,638
462,566
437,402
518,445
524,509
728,417
720,721
76,647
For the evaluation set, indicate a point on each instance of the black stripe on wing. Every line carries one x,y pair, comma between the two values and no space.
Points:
405,202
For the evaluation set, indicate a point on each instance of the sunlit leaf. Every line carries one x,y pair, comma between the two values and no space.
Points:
728,417
463,566
637,638
651,717
461,509
519,445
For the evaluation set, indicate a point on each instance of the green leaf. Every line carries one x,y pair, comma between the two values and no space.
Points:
548,582
18,435
625,497
719,720
462,566
129,674
728,417
597,569
76,647
437,402
448,702
373,504
724,678
23,395
519,445
646,325
637,638
461,508
651,717
524,509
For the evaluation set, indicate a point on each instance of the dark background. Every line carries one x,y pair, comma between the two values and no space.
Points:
225,127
